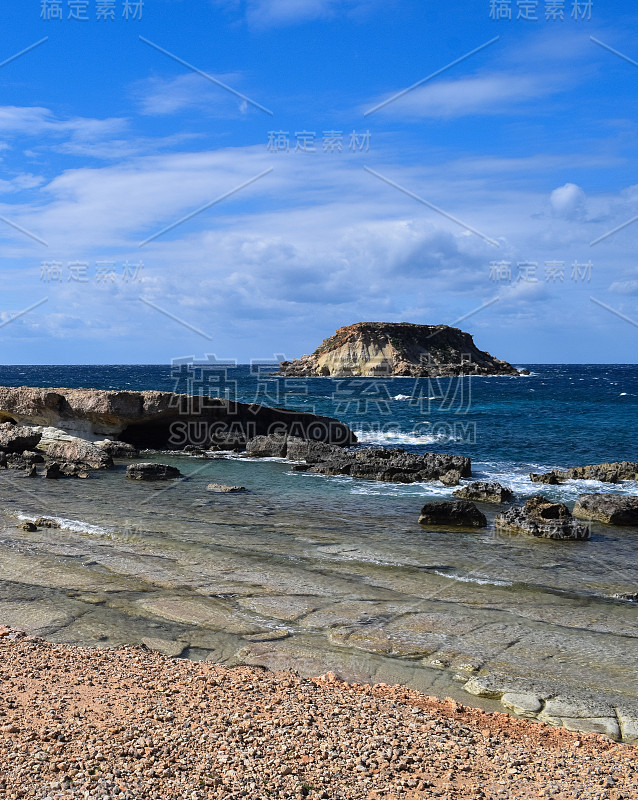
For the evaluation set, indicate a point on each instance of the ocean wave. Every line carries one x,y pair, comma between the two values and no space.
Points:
468,579
76,525
400,437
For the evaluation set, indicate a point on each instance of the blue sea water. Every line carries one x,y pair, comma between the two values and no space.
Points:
560,415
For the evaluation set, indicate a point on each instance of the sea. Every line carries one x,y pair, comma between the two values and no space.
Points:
329,573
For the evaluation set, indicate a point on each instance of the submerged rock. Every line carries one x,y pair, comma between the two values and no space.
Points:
151,472
485,492
224,488
454,513
612,509
543,518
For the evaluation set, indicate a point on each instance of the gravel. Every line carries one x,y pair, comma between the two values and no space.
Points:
132,723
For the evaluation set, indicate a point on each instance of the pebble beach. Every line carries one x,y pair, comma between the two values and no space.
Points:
128,722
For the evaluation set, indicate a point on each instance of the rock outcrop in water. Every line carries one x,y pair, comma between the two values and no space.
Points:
452,513
160,420
612,509
397,348
607,472
541,517
485,492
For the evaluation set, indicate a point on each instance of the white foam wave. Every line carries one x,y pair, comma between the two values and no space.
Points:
76,525
468,579
399,437
402,397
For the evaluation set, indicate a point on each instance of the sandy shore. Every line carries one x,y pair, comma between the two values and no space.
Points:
131,723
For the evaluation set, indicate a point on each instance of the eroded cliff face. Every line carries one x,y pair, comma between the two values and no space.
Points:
160,419
400,349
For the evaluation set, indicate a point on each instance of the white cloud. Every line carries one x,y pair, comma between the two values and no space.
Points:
494,93
277,13
568,201
159,97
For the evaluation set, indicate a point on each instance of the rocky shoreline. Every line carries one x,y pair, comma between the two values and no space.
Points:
132,724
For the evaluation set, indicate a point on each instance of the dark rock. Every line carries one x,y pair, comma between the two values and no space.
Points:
272,446
484,492
549,478
45,522
223,488
3,460
74,470
32,471
23,460
233,442
451,478
312,452
452,513
118,449
524,372
27,526
607,472
52,471
612,509
543,518
17,438
194,450
151,472
394,466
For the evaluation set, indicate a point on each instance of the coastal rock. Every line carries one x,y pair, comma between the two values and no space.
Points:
224,488
46,522
543,518
612,509
394,466
522,703
18,438
52,471
548,478
451,478
61,446
228,440
484,492
452,513
160,420
607,472
145,471
118,449
397,348
27,526
273,446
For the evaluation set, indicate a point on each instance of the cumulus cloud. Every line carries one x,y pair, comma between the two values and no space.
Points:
568,201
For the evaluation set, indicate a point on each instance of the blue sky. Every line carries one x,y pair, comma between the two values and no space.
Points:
472,199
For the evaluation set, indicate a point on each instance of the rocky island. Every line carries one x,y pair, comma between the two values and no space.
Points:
400,349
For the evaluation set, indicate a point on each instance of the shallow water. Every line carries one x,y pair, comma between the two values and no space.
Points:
318,573
314,573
